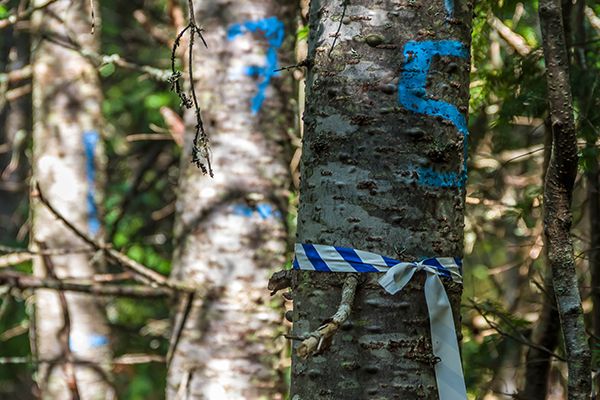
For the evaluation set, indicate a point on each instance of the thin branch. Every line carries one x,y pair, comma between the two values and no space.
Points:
178,330
99,60
514,40
200,145
22,281
519,337
16,75
337,32
13,19
317,341
140,270
125,359
64,332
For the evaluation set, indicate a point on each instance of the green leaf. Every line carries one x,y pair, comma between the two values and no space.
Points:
107,70
302,33
3,12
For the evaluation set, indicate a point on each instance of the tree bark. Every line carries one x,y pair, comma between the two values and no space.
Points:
67,123
383,170
558,190
230,230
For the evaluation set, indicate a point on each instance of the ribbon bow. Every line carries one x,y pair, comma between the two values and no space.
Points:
448,369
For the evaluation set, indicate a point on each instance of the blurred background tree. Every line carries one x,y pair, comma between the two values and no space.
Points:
504,261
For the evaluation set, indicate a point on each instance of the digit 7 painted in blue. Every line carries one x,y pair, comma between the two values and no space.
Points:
273,30
412,95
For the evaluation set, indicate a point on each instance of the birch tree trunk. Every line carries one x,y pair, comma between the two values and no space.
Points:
71,330
383,170
230,232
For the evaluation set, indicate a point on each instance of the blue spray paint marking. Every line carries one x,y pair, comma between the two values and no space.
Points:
90,140
412,95
93,341
272,29
264,210
449,4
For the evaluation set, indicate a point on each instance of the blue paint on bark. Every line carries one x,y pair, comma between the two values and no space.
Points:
273,30
90,141
412,94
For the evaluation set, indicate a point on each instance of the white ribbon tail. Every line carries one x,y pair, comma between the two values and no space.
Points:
448,371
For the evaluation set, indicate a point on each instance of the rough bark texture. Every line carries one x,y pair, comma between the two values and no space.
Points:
363,154
558,189
67,106
546,330
229,231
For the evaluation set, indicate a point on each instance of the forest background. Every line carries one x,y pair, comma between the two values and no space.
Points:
504,258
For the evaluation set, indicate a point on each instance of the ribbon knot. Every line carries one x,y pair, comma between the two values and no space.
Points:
448,371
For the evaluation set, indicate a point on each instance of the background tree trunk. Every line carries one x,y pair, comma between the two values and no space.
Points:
379,177
230,230
558,191
15,118
71,331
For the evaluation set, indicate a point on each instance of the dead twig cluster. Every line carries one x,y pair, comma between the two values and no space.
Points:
200,148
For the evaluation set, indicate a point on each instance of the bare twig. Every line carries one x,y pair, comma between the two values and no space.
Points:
141,271
517,336
280,280
337,32
200,148
13,19
178,329
104,59
65,331
515,40
22,281
320,339
125,359
16,75
93,17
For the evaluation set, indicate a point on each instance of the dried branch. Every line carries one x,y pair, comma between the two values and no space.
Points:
200,145
178,329
14,18
280,280
125,359
16,75
22,281
100,60
514,40
64,333
319,340
337,32
141,271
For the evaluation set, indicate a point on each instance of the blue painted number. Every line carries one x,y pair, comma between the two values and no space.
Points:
90,140
272,29
413,96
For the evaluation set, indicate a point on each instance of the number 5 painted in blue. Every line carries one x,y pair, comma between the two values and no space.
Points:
412,95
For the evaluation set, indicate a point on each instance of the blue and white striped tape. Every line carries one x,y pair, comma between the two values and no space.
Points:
448,371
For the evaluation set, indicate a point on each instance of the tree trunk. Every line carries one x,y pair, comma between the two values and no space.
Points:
71,330
16,121
230,230
558,191
383,170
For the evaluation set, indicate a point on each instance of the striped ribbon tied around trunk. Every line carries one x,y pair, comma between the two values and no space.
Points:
448,369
